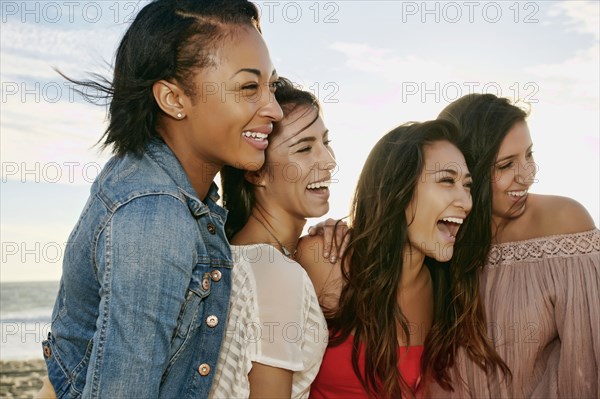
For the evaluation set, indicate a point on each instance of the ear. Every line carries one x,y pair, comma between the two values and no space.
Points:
170,98
255,177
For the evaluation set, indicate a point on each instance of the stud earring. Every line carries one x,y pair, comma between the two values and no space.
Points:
179,115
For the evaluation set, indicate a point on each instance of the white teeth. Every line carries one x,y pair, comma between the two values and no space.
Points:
321,184
255,135
453,220
517,193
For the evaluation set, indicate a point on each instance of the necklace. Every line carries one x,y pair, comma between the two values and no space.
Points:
283,248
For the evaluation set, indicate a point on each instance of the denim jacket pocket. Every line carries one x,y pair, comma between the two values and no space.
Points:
78,375
191,308
65,383
189,318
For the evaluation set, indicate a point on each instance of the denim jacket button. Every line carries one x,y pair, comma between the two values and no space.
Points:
211,228
204,369
205,282
47,352
215,275
212,321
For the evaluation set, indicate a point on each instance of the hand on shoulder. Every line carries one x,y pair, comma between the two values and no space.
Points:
325,276
561,215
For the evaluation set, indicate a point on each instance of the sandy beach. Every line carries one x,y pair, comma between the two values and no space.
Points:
21,378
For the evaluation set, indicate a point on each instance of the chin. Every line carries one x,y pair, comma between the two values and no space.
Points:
251,164
314,215
444,254
321,211
312,210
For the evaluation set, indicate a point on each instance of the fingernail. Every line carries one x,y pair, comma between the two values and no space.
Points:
326,254
332,259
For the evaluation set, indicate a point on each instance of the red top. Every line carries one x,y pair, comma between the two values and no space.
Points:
336,378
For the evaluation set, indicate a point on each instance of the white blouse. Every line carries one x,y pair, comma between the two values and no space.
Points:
274,319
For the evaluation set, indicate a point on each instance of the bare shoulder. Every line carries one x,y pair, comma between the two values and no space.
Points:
325,276
560,215
309,255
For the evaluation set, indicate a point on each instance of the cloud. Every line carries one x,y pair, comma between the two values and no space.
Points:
431,80
583,16
39,134
564,119
33,49
43,119
576,79
384,63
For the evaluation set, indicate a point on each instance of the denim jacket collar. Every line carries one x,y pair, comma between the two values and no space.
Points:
160,152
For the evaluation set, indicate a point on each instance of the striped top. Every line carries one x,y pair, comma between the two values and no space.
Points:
274,319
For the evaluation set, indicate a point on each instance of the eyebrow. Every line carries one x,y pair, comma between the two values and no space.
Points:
513,155
450,171
309,139
253,71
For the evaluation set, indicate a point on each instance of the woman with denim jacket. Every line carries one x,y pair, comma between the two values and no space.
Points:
276,333
144,294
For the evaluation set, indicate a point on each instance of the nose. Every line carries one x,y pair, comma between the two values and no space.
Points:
525,174
464,200
271,108
327,161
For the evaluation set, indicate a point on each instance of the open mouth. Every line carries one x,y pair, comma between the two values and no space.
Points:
256,139
320,187
255,136
450,226
517,193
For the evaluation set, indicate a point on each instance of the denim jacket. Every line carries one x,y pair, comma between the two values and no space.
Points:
143,299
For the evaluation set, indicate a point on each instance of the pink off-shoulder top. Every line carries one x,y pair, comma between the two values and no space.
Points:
542,302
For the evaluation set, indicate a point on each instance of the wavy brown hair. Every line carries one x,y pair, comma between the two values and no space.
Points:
484,120
368,306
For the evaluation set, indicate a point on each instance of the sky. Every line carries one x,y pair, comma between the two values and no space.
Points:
373,65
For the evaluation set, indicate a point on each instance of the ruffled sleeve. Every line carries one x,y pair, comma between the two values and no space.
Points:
577,315
542,303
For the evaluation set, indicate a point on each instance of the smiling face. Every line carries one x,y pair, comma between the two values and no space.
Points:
441,201
299,166
233,111
512,174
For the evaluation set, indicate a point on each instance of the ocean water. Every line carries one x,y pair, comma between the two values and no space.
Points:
25,313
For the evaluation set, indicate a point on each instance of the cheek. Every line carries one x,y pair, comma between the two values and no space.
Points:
296,172
310,170
290,174
277,179
283,179
497,194
228,110
501,182
417,223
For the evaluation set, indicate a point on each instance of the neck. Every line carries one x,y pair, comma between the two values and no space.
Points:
513,222
413,267
504,227
200,175
200,172
279,229
415,298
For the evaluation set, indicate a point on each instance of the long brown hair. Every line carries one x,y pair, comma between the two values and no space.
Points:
484,120
368,306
